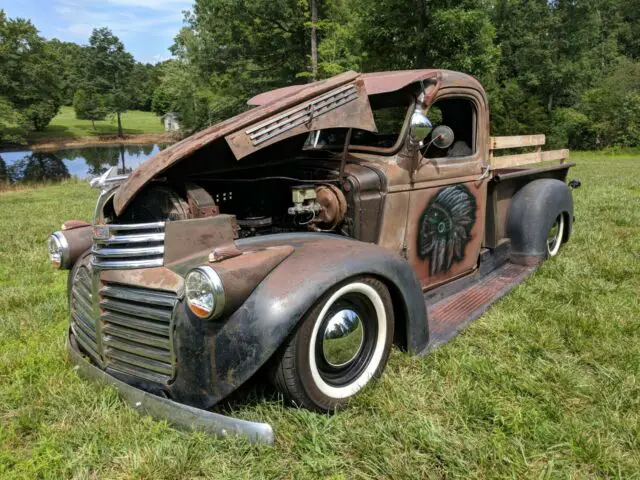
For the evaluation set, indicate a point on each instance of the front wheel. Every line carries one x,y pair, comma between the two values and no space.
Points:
342,343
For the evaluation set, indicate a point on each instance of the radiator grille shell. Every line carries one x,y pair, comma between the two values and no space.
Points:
124,328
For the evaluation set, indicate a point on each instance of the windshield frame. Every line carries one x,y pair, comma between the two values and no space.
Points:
400,141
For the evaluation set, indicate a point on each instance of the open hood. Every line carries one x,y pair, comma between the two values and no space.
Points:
339,102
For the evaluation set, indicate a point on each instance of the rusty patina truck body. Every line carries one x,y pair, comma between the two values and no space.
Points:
302,239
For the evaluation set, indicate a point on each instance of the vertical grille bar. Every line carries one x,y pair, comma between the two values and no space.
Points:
83,320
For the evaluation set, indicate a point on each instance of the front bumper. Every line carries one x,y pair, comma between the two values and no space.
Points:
178,414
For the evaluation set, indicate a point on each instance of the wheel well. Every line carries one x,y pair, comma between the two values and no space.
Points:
399,314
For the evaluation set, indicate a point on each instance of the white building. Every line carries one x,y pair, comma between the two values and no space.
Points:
170,121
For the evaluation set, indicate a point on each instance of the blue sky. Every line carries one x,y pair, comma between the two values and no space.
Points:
146,27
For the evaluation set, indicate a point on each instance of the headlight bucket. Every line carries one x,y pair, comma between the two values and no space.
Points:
58,250
204,292
65,247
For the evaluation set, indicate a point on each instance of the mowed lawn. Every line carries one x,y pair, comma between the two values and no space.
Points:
65,124
545,384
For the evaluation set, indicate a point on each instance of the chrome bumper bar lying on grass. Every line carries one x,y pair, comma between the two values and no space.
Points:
178,414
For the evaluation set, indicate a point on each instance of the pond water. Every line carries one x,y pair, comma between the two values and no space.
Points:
27,166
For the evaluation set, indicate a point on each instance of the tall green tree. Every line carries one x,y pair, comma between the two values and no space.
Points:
71,58
108,72
144,80
30,89
454,34
89,106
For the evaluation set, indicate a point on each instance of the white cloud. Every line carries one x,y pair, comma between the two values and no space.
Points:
79,29
152,23
123,16
161,58
177,5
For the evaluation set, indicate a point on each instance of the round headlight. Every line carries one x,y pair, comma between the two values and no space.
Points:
204,292
58,250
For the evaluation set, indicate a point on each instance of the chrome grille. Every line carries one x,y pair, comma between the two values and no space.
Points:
128,246
83,322
136,331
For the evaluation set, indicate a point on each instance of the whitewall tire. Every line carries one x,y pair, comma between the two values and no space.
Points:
341,344
555,236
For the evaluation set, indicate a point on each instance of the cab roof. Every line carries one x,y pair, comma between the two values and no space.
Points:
376,83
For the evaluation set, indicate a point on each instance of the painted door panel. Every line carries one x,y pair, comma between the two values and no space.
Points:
446,221
445,231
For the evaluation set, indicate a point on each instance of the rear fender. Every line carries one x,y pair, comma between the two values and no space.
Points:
533,210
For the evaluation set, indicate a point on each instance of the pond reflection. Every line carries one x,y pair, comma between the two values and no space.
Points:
38,167
4,177
87,162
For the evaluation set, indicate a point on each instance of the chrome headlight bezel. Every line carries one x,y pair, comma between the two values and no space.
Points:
58,249
207,277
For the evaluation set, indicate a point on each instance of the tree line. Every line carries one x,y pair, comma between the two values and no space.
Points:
38,76
568,68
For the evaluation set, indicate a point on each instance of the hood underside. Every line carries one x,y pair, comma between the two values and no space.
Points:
339,102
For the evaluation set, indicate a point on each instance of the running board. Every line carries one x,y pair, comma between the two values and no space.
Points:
448,316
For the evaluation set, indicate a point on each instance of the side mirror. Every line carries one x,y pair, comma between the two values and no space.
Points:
443,136
420,126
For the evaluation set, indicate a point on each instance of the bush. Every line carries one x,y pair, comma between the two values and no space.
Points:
89,106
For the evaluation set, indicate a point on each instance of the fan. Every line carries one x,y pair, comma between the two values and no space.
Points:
157,203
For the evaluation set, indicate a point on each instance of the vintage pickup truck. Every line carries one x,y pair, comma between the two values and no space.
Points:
301,239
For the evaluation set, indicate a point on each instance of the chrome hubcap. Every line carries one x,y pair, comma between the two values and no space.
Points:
342,338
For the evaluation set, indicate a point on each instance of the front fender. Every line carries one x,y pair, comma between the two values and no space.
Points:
248,338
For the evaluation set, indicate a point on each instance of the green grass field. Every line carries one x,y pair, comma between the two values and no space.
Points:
545,385
66,125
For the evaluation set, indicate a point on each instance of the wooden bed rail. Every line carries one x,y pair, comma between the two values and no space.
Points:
520,141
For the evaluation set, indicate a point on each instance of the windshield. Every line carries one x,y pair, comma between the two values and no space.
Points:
389,112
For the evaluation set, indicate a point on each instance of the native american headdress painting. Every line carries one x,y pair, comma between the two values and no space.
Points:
445,227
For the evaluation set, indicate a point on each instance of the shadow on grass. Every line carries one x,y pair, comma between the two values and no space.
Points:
256,391
52,131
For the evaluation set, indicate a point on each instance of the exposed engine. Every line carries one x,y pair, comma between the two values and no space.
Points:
261,205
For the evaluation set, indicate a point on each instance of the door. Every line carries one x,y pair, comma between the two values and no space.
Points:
447,204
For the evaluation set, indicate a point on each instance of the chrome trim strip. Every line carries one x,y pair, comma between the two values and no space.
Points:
82,340
137,310
83,326
128,252
135,238
137,360
139,324
126,264
95,303
131,335
180,415
135,226
117,344
135,295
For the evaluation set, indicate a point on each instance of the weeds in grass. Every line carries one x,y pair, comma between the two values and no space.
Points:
545,384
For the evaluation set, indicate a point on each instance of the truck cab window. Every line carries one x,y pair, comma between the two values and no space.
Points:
460,115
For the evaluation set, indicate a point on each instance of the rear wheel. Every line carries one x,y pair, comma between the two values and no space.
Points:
342,343
555,235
